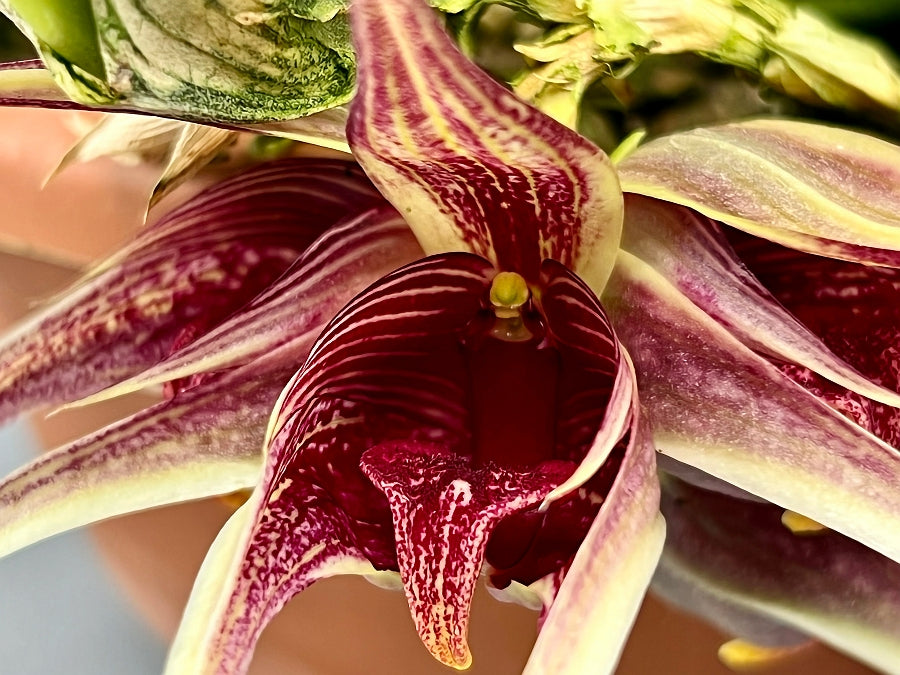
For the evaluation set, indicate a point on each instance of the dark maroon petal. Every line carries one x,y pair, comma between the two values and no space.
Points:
470,166
727,552
718,406
855,309
592,609
691,252
177,280
443,513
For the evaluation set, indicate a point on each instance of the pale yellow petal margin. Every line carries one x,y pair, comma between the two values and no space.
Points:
591,617
189,652
717,406
30,84
325,129
808,186
874,647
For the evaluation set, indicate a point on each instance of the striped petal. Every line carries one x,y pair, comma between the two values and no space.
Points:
598,600
203,442
383,370
178,279
286,318
814,188
469,165
690,251
716,405
738,554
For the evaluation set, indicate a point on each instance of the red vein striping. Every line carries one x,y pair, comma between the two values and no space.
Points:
290,314
518,186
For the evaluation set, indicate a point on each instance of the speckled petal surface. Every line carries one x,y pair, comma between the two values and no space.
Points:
178,279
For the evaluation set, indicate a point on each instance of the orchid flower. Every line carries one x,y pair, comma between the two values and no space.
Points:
474,411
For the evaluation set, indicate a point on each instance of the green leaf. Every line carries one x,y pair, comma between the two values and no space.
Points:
199,60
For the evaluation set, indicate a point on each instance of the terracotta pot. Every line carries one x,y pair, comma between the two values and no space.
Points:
342,626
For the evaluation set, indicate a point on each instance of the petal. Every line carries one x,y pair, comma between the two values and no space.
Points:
28,83
814,188
284,320
739,555
853,308
203,442
382,370
443,513
469,165
179,278
717,406
591,615
691,253
595,407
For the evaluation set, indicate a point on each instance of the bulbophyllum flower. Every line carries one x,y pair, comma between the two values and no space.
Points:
474,412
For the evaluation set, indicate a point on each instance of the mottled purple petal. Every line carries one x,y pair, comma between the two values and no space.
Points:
814,188
288,316
598,600
739,554
470,166
854,308
716,405
443,512
690,251
178,279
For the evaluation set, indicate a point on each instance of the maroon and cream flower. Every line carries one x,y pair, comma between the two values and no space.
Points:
473,412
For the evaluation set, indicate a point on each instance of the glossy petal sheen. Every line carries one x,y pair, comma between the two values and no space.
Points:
442,525
819,189
856,311
469,165
177,280
716,405
827,585
602,592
